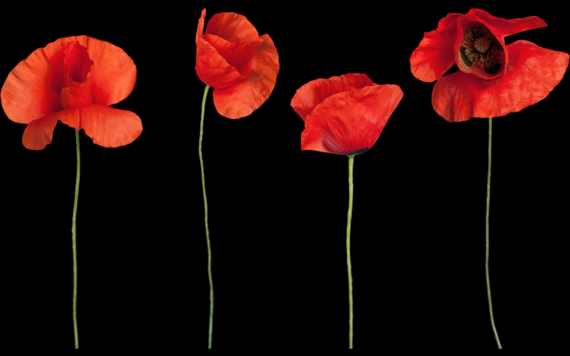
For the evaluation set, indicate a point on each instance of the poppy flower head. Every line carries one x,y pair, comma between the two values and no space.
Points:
344,115
73,80
239,64
495,79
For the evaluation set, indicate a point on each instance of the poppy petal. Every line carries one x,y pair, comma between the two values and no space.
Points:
237,54
316,91
231,27
39,133
211,67
531,74
510,27
107,127
435,55
78,94
114,72
26,94
242,99
70,64
351,121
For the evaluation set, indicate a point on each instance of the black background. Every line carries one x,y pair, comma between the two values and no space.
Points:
278,214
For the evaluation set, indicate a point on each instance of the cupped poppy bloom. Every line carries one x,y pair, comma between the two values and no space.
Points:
239,64
73,80
344,115
242,68
494,79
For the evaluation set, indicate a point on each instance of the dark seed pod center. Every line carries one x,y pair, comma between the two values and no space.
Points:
481,48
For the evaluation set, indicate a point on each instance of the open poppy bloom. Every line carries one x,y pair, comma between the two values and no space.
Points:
73,80
242,68
344,115
494,79
239,64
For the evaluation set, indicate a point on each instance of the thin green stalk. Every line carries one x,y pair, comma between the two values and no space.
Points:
348,262
206,219
487,236
73,234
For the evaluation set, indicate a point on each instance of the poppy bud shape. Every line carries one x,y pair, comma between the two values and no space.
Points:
239,64
344,115
73,80
495,79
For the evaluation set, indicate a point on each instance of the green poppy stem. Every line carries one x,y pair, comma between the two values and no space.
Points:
206,219
348,262
487,236
73,237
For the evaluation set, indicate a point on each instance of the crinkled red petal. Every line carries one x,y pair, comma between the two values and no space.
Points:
236,54
532,73
231,27
351,121
315,92
243,98
58,73
504,27
107,127
70,66
114,72
77,61
26,94
435,55
39,133
211,67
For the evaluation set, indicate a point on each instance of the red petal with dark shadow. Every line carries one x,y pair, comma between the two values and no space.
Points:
114,72
351,121
231,27
236,54
531,74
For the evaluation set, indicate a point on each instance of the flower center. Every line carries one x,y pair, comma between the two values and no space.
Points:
71,63
480,47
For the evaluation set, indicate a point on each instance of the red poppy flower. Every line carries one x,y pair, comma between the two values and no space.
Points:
494,79
73,80
239,64
344,115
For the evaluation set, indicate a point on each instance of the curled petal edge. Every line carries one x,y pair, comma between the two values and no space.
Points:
243,98
531,75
